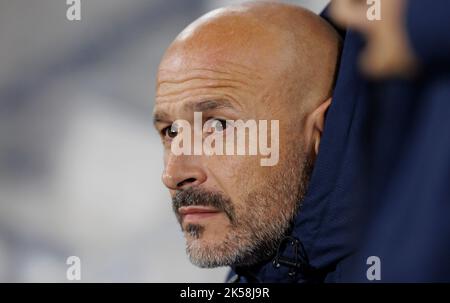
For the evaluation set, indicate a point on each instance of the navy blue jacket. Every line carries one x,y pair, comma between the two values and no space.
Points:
381,182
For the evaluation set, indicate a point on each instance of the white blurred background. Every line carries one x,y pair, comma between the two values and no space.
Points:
80,164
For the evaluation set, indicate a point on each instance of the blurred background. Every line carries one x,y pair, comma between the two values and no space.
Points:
80,163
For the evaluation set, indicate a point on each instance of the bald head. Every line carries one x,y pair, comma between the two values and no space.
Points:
283,46
256,62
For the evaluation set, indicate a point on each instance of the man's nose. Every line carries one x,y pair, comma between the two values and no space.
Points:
182,172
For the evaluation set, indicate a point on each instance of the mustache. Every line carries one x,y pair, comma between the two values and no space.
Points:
199,197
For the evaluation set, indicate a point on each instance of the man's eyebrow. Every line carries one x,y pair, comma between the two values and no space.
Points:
202,106
160,117
208,105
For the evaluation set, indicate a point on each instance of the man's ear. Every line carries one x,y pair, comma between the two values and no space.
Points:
317,119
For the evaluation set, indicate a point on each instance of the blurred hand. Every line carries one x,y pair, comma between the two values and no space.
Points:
388,52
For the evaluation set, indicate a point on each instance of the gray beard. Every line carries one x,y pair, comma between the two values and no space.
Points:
254,239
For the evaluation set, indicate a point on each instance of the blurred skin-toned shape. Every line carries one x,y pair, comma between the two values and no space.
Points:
388,52
259,61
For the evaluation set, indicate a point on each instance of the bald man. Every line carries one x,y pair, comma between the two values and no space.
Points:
257,61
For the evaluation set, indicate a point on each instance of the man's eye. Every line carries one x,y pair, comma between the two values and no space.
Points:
170,131
217,125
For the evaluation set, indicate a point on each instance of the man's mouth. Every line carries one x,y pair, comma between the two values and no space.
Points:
193,214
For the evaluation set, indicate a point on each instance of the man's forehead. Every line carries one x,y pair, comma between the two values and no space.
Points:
190,69
204,104
179,66
225,80
163,112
